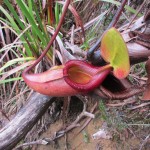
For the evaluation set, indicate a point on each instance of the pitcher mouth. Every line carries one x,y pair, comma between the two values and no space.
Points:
83,76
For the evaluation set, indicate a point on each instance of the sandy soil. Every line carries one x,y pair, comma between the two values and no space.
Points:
84,140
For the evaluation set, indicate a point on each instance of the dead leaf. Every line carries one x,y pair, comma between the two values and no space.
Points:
102,133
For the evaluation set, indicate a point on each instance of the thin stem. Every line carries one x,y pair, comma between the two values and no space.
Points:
106,67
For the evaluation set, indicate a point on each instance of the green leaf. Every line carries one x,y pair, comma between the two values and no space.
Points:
25,12
14,61
39,20
114,51
57,13
10,80
13,24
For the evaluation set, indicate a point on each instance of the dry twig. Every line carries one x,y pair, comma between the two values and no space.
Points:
144,142
62,132
139,106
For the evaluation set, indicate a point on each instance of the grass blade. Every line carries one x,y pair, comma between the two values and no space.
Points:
10,80
118,4
31,20
14,61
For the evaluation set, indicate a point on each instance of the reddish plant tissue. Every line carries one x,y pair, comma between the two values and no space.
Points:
83,76
50,83
77,76
73,78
